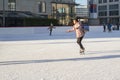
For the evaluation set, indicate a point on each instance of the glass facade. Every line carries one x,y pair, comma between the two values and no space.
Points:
63,11
12,5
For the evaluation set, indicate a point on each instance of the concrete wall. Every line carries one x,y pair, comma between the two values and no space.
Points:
93,21
5,5
30,5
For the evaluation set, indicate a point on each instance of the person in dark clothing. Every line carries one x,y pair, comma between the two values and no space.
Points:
51,29
109,26
104,27
117,26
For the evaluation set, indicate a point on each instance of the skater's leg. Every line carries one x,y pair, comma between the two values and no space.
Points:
104,28
79,41
50,32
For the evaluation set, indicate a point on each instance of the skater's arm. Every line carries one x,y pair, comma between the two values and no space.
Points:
70,30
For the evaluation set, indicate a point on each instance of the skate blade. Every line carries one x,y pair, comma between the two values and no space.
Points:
82,53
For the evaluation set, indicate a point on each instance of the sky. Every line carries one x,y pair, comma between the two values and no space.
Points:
82,2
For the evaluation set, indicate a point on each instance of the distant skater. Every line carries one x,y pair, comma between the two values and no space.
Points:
51,29
109,26
104,27
118,26
77,27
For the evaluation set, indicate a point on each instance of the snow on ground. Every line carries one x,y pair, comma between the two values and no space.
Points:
42,57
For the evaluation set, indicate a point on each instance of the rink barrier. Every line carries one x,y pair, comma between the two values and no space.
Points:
23,30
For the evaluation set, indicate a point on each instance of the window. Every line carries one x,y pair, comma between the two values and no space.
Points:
104,1
61,10
110,0
113,0
102,8
42,7
113,13
100,1
12,5
71,9
114,7
103,13
58,0
116,0
11,1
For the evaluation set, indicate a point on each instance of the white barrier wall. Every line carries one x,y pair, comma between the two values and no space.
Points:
23,30
33,33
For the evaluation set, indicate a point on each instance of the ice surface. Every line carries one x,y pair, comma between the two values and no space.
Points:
42,57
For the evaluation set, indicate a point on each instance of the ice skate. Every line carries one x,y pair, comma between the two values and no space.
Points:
82,52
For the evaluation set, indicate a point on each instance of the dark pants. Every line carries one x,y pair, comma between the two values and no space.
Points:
104,28
50,32
117,27
109,29
79,41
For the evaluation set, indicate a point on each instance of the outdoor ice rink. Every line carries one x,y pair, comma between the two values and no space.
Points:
39,56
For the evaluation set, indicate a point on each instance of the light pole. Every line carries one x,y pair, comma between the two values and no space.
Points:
3,13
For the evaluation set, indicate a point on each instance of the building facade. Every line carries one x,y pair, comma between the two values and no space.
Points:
82,12
106,10
63,10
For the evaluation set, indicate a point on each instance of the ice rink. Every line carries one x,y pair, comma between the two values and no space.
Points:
39,56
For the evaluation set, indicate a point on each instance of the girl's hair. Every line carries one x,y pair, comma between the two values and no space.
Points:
76,19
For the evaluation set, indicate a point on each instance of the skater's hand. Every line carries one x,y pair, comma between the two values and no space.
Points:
68,31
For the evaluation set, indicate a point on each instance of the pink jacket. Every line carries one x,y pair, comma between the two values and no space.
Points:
79,30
